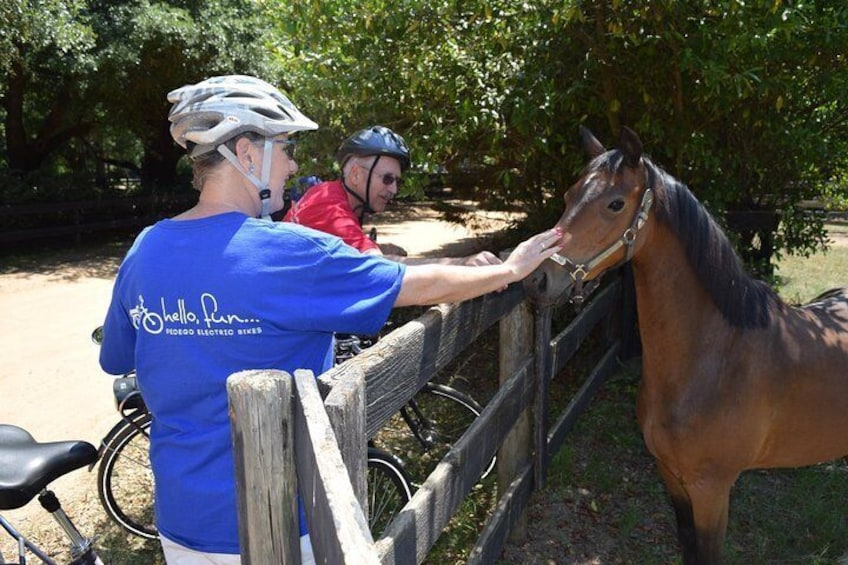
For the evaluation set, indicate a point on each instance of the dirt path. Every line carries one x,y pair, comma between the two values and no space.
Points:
50,381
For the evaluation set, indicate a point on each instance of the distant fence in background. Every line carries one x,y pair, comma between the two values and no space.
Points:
23,223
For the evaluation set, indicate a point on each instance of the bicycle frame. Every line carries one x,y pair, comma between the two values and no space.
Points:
24,544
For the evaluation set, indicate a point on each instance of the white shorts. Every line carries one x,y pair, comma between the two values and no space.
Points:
176,554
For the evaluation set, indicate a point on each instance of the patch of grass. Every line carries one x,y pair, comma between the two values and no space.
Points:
789,514
465,527
800,279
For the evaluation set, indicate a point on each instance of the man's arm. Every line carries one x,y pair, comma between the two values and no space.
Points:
399,255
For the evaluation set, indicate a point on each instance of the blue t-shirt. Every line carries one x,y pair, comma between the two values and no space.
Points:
198,300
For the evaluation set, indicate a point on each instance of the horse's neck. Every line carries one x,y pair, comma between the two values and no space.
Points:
674,309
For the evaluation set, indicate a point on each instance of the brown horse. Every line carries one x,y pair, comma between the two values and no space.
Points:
732,377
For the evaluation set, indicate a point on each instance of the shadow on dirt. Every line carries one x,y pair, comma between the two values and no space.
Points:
99,260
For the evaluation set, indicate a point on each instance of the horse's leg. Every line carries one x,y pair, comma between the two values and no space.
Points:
710,497
683,512
701,511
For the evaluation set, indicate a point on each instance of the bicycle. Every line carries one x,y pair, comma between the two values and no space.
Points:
125,480
27,468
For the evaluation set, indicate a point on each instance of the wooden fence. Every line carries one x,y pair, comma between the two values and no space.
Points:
28,222
325,441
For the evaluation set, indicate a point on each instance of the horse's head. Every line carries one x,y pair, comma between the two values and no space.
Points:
605,211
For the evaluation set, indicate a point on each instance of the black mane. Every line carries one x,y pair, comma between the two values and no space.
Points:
742,300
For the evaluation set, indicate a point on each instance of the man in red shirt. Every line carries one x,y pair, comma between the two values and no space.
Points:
372,162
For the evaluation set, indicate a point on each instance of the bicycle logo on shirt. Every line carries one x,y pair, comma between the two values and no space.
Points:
180,319
143,318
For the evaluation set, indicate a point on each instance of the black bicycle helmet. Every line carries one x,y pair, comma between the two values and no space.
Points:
374,140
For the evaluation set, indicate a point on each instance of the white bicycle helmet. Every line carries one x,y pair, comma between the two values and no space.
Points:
211,112
206,115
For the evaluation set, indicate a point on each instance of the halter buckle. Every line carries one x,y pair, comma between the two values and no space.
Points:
579,273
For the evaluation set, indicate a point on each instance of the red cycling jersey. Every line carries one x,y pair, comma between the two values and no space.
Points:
325,207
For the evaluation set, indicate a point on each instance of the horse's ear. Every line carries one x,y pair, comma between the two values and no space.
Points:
591,144
631,146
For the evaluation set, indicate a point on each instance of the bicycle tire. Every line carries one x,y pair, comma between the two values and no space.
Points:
389,489
125,479
426,429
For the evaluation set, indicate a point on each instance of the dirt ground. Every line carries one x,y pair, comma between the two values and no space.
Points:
50,381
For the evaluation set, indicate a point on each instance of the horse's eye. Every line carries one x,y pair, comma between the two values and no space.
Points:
616,205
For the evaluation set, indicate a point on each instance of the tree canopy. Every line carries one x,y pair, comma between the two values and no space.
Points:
743,101
88,80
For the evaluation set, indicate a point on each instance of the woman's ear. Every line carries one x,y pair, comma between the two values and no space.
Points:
245,152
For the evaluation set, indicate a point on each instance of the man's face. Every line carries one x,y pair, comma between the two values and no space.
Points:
384,181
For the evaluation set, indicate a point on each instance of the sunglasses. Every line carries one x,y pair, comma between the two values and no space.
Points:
289,146
389,178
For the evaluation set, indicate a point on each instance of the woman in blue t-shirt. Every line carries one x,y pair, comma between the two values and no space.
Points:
220,288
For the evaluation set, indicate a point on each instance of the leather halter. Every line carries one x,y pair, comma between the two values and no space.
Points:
579,271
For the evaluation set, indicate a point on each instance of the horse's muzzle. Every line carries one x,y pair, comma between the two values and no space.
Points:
548,285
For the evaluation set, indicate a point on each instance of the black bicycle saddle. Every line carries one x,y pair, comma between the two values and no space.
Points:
27,466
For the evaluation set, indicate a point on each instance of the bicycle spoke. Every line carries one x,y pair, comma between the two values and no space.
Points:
388,490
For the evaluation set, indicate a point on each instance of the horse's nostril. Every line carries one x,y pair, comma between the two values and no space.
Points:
538,282
543,283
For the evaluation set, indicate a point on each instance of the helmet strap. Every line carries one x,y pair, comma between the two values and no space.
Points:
260,184
265,191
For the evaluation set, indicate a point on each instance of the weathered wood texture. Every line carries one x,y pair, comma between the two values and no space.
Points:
261,419
337,525
542,333
421,522
516,343
345,405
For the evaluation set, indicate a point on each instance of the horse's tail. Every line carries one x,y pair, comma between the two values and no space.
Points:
829,294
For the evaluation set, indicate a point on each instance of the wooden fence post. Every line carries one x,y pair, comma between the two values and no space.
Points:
516,343
542,345
262,419
338,527
345,405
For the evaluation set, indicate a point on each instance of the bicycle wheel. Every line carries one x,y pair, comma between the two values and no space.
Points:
124,477
389,489
428,426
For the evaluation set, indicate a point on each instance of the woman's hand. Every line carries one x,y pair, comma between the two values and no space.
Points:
530,253
439,283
